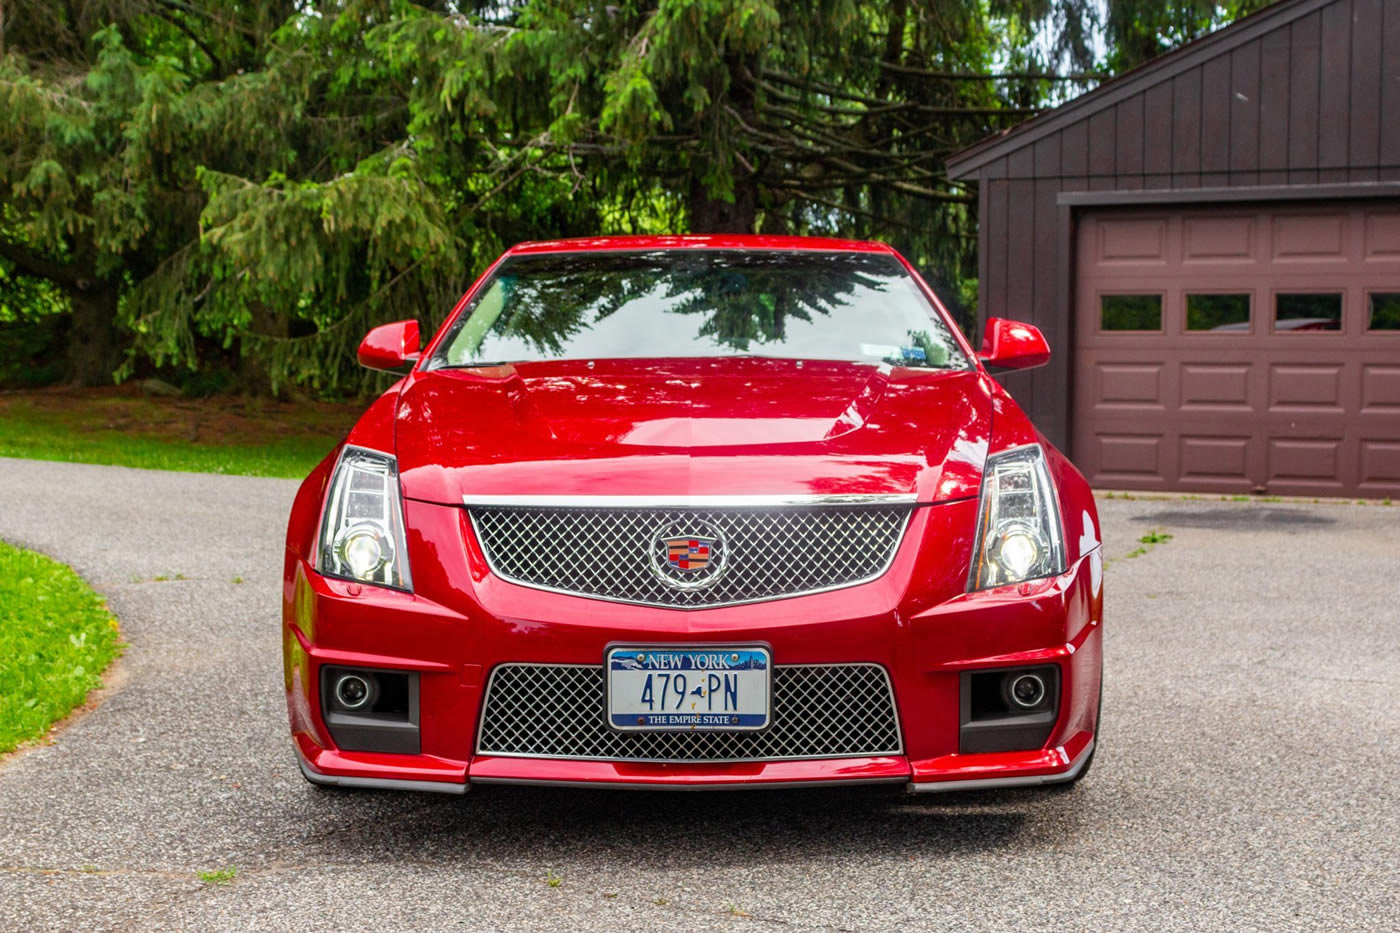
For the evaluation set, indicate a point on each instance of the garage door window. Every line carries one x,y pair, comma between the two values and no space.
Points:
1301,312
1224,313
1130,312
1384,311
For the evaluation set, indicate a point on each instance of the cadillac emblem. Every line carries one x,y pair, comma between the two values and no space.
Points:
689,553
689,557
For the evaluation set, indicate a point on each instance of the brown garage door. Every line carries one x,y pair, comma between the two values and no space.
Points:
1240,350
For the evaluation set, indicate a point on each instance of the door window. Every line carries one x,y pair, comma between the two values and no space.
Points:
1130,312
1383,311
1299,312
1223,313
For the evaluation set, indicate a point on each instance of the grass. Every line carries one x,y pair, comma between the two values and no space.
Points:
56,639
218,875
1147,542
222,434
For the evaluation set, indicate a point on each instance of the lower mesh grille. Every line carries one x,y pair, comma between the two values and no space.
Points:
819,711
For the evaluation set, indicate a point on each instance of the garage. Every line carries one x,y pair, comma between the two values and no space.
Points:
1239,351
1211,244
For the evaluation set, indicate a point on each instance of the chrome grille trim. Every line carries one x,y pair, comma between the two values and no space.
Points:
693,502
857,718
772,552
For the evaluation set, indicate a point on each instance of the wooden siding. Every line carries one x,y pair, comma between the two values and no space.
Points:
1300,104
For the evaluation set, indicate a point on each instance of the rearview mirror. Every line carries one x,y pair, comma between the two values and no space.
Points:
390,346
1013,345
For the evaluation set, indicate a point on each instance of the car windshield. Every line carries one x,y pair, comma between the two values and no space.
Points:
700,303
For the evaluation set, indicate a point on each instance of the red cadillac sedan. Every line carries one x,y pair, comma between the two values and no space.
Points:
695,512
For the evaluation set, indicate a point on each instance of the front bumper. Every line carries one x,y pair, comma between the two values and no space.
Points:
451,641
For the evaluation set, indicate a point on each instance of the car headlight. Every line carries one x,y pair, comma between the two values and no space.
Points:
1018,523
362,527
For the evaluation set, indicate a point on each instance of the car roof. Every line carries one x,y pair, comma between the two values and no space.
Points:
700,241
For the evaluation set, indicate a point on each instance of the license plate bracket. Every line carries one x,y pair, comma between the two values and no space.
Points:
689,688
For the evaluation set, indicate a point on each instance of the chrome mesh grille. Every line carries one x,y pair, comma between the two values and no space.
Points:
760,553
820,711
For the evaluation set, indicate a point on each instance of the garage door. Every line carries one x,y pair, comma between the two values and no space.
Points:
1240,350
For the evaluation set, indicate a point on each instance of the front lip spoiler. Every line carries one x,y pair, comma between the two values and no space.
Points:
726,785
446,787
333,780
1033,780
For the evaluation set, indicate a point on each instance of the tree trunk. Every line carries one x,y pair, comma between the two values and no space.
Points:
94,346
709,214
252,374
712,215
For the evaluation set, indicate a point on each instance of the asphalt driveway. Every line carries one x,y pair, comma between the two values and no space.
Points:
1248,774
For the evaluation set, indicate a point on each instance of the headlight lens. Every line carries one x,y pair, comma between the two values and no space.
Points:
362,529
1018,525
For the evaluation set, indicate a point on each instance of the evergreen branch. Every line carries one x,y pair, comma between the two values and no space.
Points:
203,46
354,312
40,267
1002,76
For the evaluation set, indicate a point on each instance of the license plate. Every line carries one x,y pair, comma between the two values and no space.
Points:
719,689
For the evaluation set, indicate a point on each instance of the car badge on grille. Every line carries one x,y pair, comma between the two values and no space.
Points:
689,554
687,557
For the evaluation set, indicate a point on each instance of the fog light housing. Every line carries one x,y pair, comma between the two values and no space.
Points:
1008,709
371,710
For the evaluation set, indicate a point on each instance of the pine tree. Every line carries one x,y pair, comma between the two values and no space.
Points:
265,180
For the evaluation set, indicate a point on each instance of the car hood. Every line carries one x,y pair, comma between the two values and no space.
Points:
696,427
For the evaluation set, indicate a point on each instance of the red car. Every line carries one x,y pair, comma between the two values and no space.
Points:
688,512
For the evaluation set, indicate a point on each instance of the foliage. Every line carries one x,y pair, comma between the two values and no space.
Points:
56,638
261,182
1140,30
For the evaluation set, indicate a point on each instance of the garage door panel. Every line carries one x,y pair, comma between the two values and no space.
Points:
1382,236
1309,237
1215,459
1134,461
1380,389
1380,465
1132,385
1132,241
1312,463
1215,387
1312,387
1218,240
1228,404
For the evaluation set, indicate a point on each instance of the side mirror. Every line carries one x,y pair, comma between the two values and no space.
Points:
390,346
1013,345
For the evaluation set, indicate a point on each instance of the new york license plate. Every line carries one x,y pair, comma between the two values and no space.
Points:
692,689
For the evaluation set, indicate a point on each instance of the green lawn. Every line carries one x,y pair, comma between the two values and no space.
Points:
207,436
56,638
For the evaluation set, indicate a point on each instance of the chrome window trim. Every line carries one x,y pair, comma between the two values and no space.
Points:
889,688
496,571
689,502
